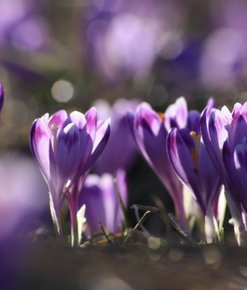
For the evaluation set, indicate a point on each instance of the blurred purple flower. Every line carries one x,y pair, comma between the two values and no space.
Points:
189,158
99,194
66,147
224,57
121,149
224,134
21,194
21,25
125,37
151,129
223,66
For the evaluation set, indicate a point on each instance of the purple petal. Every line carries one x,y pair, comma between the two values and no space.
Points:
67,151
101,139
210,180
214,137
238,132
91,118
78,118
40,144
193,122
121,150
183,163
243,111
57,120
146,120
236,167
151,135
91,195
176,114
102,204
236,112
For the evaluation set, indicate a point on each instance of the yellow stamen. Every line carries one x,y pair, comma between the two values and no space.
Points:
195,151
162,116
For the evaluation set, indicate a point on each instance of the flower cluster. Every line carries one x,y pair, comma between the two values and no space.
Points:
224,134
66,147
197,156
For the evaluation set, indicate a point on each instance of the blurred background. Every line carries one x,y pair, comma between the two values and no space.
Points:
69,53
74,53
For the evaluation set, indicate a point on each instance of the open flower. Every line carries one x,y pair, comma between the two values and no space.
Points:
66,147
100,196
224,134
191,161
150,130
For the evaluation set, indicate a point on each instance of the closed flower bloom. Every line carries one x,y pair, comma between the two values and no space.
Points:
224,134
150,130
66,147
100,196
193,165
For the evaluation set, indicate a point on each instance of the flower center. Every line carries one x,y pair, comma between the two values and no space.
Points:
162,116
195,151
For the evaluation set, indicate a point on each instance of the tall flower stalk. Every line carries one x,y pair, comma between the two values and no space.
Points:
190,159
66,146
150,131
224,134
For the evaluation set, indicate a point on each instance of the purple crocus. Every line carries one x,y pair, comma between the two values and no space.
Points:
66,147
121,149
115,36
190,159
22,25
100,196
224,134
150,130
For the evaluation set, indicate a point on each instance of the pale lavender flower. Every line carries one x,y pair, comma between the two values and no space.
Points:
22,26
121,150
100,197
66,147
224,58
124,38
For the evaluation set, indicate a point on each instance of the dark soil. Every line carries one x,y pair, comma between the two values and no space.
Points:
51,265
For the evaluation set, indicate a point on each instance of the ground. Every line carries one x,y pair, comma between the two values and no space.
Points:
52,265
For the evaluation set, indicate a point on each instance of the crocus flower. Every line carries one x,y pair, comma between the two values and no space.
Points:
150,130
224,66
224,134
66,147
121,149
22,26
190,159
100,196
115,33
